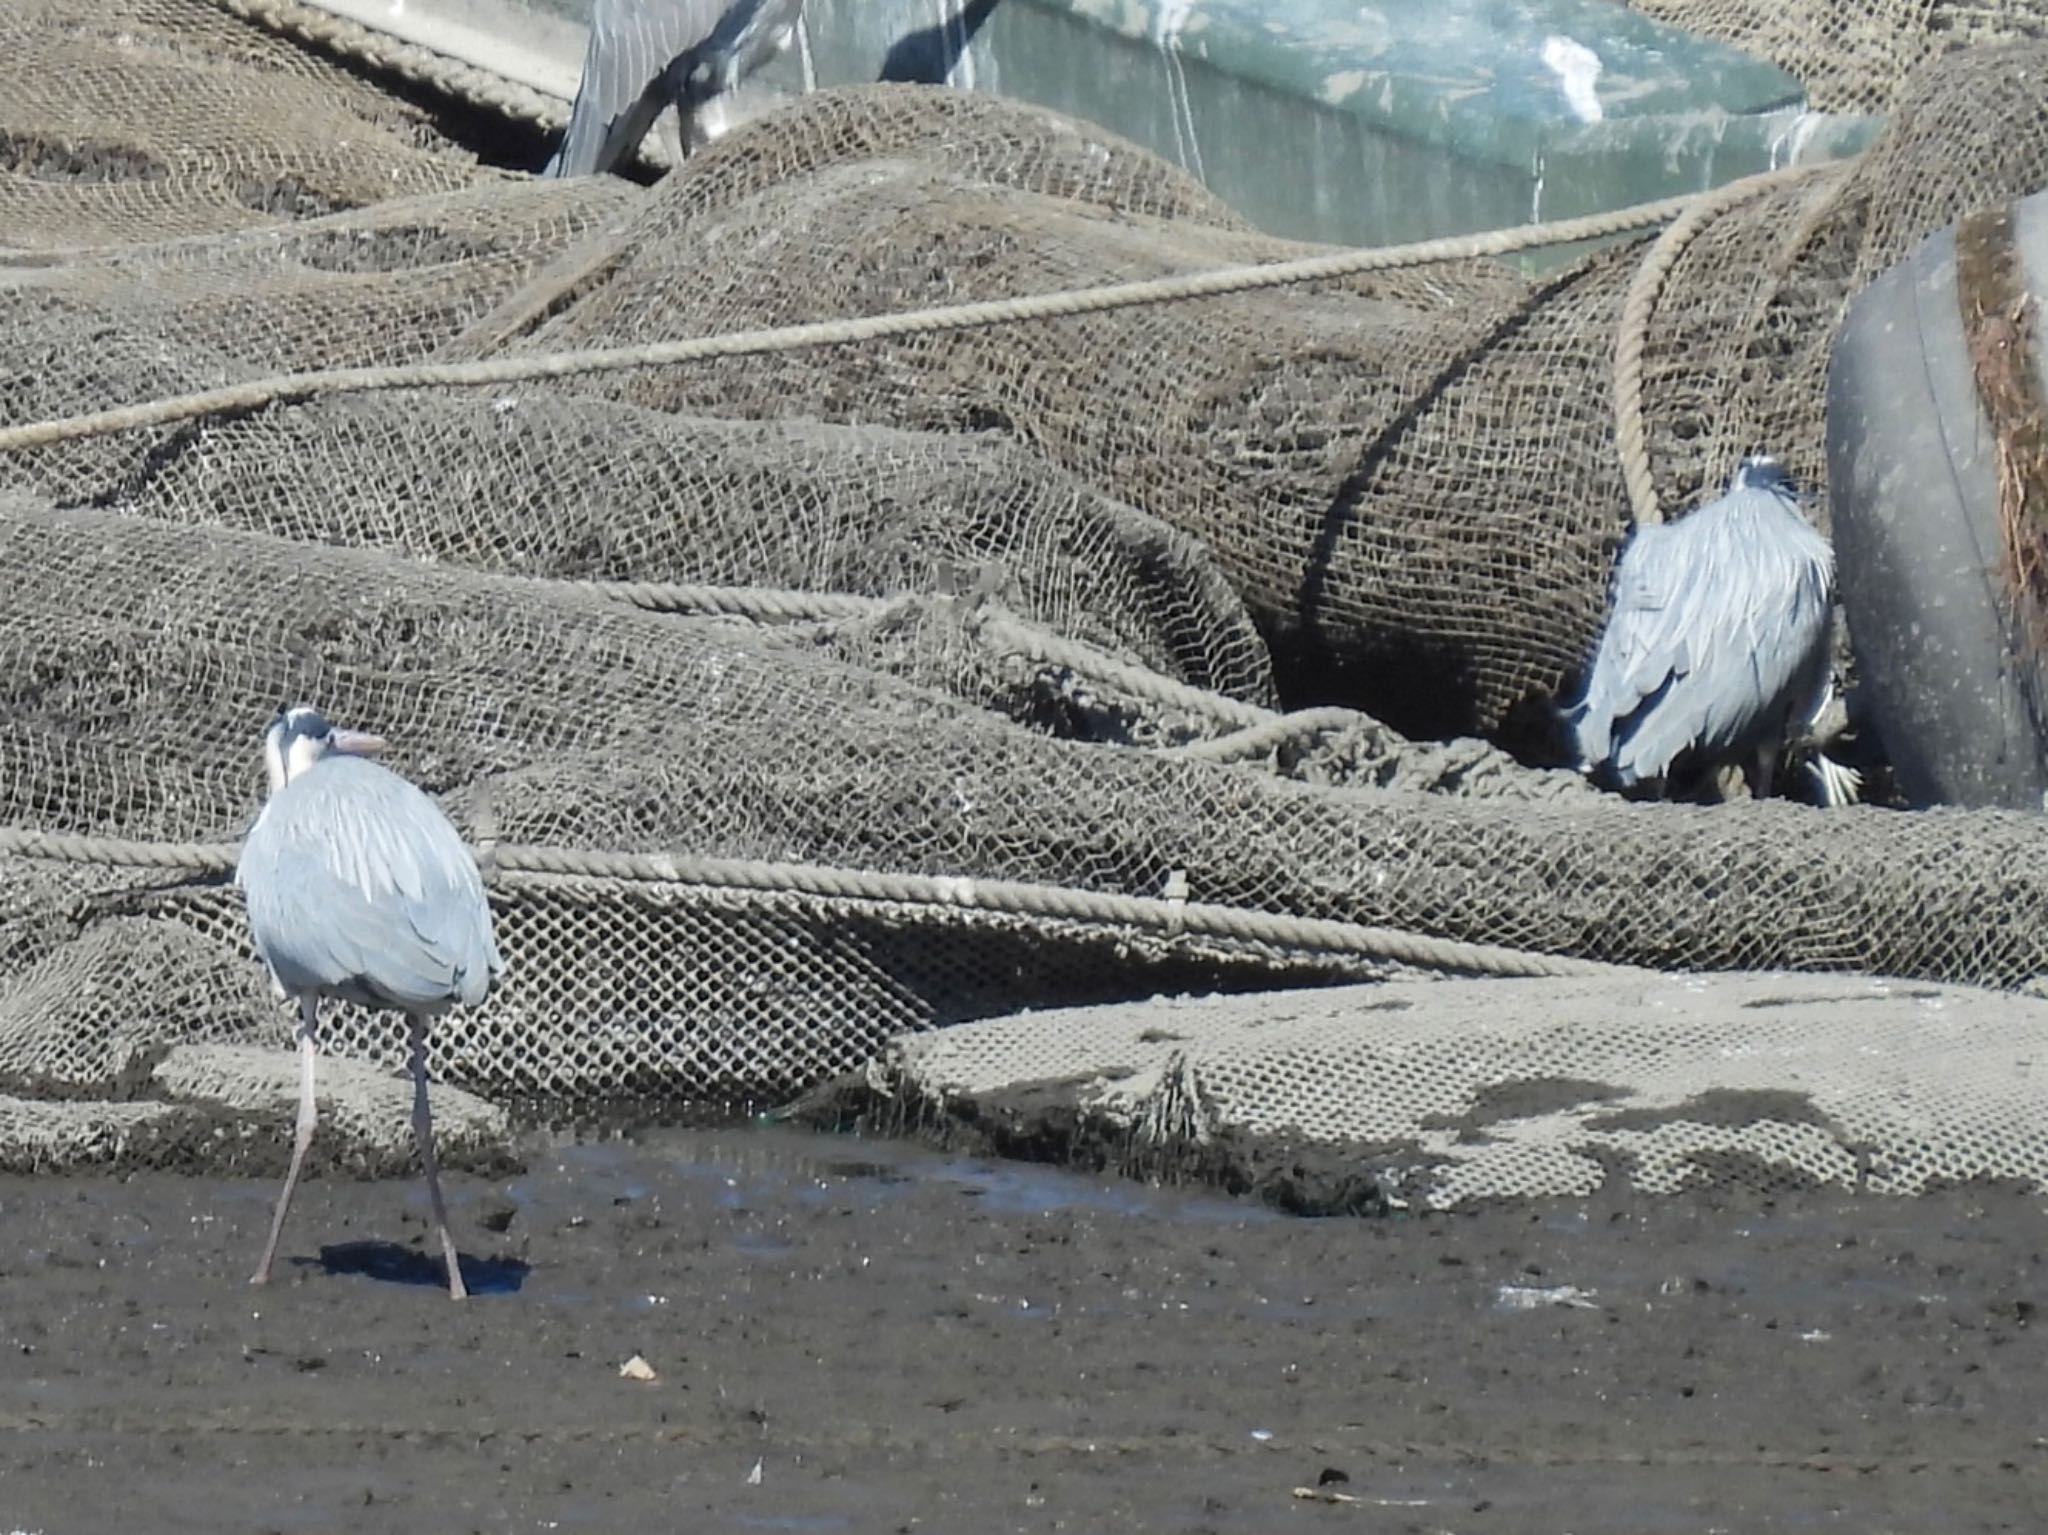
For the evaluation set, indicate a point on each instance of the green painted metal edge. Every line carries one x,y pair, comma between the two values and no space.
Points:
1472,76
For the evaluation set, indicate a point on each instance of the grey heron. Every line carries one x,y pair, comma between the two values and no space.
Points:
645,55
359,888
929,55
1717,649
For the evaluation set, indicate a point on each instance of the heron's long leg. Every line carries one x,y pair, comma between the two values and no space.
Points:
1766,768
309,1115
802,34
423,1132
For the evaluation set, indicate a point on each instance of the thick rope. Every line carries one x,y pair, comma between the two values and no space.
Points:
381,51
993,626
288,388
1013,636
62,847
1632,335
760,603
1271,733
1000,898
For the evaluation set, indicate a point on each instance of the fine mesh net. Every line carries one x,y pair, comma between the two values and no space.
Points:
1468,1090
819,696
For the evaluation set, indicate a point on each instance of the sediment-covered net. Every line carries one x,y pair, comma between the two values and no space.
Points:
1473,1090
814,696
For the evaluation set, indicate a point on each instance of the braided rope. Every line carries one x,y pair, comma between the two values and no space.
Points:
63,847
1006,898
760,603
289,388
381,51
1272,733
1044,648
985,621
1632,335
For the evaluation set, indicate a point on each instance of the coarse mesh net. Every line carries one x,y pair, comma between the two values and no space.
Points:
145,122
1853,57
820,696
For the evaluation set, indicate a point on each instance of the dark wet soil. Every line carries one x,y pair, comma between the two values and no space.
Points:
851,1336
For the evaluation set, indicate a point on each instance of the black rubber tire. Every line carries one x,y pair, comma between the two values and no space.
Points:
1913,496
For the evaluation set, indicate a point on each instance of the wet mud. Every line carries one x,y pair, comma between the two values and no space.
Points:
855,1335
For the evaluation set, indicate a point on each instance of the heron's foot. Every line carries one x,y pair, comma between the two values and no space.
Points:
1730,784
457,1290
261,1276
1837,783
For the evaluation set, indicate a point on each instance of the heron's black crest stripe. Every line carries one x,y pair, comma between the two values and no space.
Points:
1763,472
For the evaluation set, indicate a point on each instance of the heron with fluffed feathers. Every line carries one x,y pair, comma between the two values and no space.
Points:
646,55
359,888
1718,646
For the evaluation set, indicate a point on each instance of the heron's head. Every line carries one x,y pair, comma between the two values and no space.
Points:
300,737
1762,472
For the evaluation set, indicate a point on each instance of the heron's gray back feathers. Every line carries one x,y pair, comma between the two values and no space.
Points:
638,51
1719,633
359,887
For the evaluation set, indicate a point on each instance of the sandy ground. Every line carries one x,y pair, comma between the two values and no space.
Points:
850,1336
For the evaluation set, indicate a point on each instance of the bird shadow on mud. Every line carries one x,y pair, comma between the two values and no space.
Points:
393,1263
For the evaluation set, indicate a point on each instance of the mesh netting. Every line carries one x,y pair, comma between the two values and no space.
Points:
1853,57
1466,1090
143,122
1409,476
565,718
955,652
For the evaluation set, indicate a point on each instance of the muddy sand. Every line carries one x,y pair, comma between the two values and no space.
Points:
856,1336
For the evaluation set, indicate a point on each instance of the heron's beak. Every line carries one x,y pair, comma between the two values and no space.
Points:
358,743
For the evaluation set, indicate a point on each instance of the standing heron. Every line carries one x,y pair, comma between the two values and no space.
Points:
359,888
645,55
1717,649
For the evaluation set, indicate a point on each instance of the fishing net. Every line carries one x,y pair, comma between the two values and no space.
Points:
145,122
1462,1091
1853,57
809,698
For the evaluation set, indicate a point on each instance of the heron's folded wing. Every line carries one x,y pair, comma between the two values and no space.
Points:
1644,647
355,879
1758,610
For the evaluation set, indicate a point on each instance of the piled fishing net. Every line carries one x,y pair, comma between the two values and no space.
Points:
810,697
145,122
1409,476
1853,57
